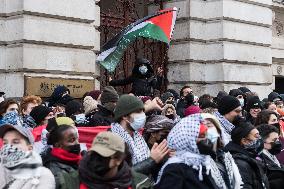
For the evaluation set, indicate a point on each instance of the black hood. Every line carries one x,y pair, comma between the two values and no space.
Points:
139,62
274,95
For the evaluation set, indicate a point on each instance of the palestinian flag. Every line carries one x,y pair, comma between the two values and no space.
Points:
159,27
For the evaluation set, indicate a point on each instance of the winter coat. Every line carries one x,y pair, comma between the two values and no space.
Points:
251,170
102,117
181,176
46,180
280,156
66,176
275,174
142,85
181,106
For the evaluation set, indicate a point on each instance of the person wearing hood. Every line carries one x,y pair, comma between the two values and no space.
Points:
168,98
20,166
246,146
63,159
143,80
104,115
192,166
272,147
105,167
229,108
253,108
60,95
170,112
40,114
129,119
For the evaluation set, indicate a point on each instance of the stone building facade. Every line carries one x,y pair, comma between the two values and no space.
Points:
217,44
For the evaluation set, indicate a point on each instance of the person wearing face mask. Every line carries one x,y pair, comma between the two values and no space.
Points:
143,80
129,120
245,147
170,112
60,95
253,108
20,166
272,147
104,115
192,166
40,114
63,159
186,100
229,108
105,167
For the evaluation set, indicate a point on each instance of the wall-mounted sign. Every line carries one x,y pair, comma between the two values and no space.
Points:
43,86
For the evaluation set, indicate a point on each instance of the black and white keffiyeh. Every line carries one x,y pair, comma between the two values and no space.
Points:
137,145
182,138
226,127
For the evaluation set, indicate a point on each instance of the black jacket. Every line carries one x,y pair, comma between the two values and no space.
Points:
275,174
251,170
181,176
102,117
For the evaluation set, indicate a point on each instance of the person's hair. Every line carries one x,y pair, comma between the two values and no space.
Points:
5,104
55,135
12,129
267,104
263,117
265,130
204,97
181,91
29,99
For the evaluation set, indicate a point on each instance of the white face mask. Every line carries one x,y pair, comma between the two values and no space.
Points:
143,69
138,121
212,134
242,102
80,118
1,99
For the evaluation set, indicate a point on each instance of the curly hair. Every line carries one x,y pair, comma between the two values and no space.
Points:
29,99
265,130
264,116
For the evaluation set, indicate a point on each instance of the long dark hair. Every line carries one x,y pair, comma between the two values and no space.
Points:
263,117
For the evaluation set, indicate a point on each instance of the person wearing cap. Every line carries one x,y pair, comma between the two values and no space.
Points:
272,147
41,114
253,108
246,146
63,159
105,167
143,80
20,166
104,115
229,108
129,120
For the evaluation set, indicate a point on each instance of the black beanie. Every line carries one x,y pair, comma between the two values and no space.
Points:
72,107
109,94
244,89
39,113
236,92
228,104
241,130
253,102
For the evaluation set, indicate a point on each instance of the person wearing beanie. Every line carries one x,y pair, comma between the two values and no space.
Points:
220,95
168,98
41,114
245,146
129,119
192,110
74,110
254,107
95,94
277,100
90,105
104,115
143,80
244,90
239,95
229,108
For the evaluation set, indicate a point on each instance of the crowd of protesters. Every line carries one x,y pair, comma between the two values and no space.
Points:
173,140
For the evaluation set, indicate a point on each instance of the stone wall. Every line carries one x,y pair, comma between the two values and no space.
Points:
221,45
47,38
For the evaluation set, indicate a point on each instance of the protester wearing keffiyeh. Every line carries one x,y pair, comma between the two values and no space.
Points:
182,138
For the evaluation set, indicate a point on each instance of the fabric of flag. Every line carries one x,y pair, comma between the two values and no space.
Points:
158,27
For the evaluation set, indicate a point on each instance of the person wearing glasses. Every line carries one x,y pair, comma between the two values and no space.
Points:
253,107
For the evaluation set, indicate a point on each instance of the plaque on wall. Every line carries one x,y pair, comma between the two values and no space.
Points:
43,86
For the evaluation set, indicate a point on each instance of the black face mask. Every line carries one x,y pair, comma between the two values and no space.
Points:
277,125
171,102
74,149
99,164
205,147
276,148
255,147
171,116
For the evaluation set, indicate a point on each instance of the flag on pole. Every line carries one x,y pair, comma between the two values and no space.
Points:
159,26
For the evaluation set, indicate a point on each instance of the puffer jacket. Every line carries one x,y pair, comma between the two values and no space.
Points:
251,170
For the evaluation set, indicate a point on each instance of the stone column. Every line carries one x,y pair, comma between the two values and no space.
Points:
47,39
221,45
